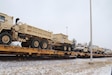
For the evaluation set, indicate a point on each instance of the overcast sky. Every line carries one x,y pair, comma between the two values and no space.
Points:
65,16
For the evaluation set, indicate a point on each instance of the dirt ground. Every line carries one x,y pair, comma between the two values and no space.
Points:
100,66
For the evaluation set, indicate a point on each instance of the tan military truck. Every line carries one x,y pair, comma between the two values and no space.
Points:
29,36
60,41
97,50
101,50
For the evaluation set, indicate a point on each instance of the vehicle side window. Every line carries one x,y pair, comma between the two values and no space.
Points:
2,18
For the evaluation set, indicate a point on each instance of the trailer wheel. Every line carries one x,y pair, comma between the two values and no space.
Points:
5,38
35,43
64,47
25,44
44,44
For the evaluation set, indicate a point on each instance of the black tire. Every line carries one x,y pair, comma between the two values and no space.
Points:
44,44
25,44
35,43
64,47
69,48
5,38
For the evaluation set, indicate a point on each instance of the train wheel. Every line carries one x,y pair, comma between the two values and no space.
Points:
44,44
35,43
5,38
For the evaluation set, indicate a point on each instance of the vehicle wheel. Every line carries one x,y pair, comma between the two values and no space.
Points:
25,44
35,43
64,47
44,44
5,38
69,48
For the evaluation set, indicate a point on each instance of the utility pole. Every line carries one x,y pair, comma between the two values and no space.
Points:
91,57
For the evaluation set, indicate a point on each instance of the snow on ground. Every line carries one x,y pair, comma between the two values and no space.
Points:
100,66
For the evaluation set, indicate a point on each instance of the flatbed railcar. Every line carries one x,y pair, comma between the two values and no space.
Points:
15,50
25,51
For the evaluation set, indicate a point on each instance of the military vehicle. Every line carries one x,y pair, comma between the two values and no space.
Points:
97,49
81,48
60,41
30,36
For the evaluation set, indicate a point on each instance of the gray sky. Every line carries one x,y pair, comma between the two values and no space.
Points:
57,15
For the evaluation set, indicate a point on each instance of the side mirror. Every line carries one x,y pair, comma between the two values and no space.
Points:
17,19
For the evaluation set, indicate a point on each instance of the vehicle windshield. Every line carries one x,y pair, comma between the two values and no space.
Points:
2,18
